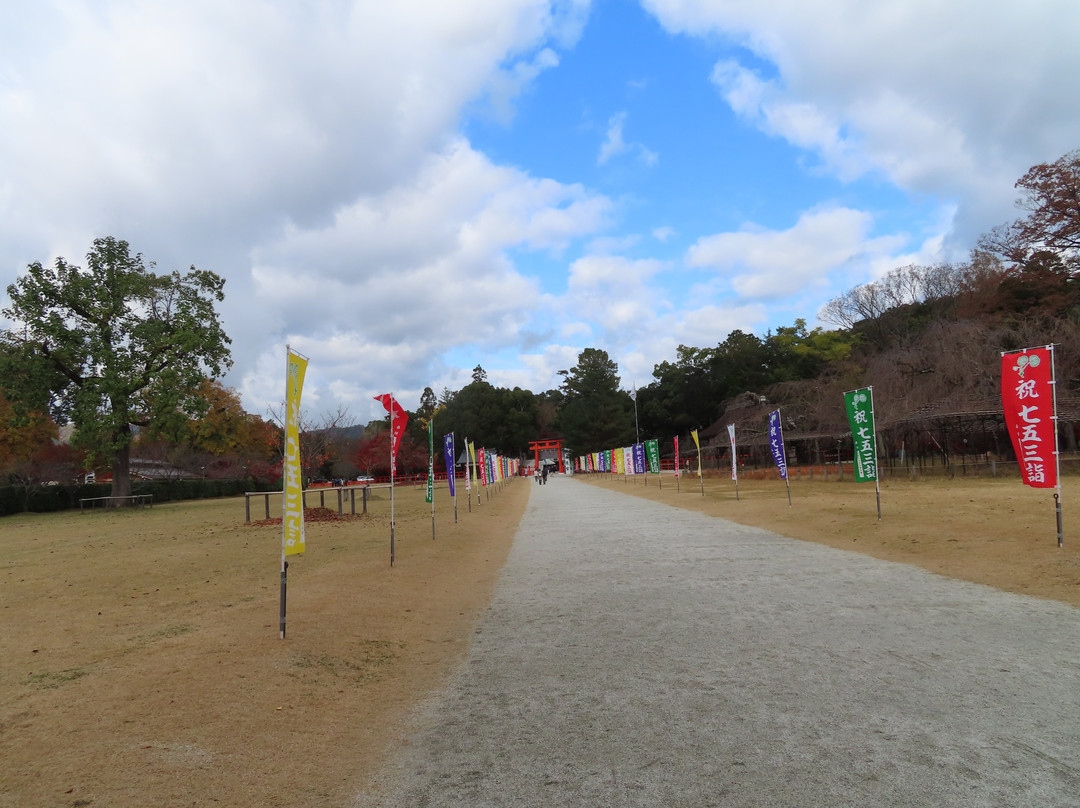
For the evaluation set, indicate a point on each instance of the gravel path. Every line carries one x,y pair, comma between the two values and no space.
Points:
636,654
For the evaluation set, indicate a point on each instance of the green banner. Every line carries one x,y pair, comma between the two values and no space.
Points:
652,454
860,412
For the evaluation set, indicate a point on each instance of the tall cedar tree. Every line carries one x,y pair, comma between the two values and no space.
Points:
118,346
595,413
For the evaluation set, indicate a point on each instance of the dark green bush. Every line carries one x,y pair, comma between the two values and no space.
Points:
47,498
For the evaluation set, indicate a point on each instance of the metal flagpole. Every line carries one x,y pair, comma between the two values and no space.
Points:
392,475
787,471
453,470
284,474
1057,448
734,461
877,471
431,470
701,479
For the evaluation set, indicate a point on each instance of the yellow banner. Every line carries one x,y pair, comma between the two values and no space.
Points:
293,507
693,434
620,467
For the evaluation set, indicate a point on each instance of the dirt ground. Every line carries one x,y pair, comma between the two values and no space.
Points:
140,662
989,531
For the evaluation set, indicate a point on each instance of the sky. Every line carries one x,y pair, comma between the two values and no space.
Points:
403,191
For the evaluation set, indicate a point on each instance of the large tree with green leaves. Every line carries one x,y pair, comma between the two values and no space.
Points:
495,417
595,413
113,347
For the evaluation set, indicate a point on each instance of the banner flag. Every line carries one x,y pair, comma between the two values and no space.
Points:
693,434
448,456
470,453
860,411
639,458
734,461
398,419
776,443
628,460
1028,397
293,506
429,496
652,451
677,461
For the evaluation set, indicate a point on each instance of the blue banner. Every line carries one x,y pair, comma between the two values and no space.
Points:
776,443
448,454
639,458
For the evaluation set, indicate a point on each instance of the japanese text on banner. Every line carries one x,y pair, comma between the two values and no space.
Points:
860,411
294,509
1027,396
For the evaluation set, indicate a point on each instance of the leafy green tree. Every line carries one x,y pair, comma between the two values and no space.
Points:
595,413
799,354
684,395
741,363
116,346
428,404
501,419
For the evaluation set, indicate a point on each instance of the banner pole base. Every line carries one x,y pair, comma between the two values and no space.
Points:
284,575
1057,507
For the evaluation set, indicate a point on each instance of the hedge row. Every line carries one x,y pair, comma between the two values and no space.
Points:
46,498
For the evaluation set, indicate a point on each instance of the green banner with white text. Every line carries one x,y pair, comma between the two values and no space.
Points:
860,412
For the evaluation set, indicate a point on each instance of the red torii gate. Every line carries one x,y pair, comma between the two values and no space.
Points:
537,445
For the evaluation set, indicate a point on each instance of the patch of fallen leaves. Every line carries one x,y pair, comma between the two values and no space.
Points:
313,515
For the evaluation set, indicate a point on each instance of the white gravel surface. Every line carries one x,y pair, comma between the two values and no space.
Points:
636,654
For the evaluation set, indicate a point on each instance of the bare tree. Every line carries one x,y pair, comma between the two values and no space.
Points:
1050,193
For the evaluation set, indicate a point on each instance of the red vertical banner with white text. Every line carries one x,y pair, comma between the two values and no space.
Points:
1027,396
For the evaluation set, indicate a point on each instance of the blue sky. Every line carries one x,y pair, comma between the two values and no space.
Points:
404,191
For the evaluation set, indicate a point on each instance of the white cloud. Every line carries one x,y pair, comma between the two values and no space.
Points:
307,152
614,145
764,264
396,279
614,291
956,100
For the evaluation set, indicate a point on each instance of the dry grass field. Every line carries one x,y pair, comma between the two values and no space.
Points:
140,662
989,531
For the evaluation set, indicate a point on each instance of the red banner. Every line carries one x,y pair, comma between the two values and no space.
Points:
398,419
1027,395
